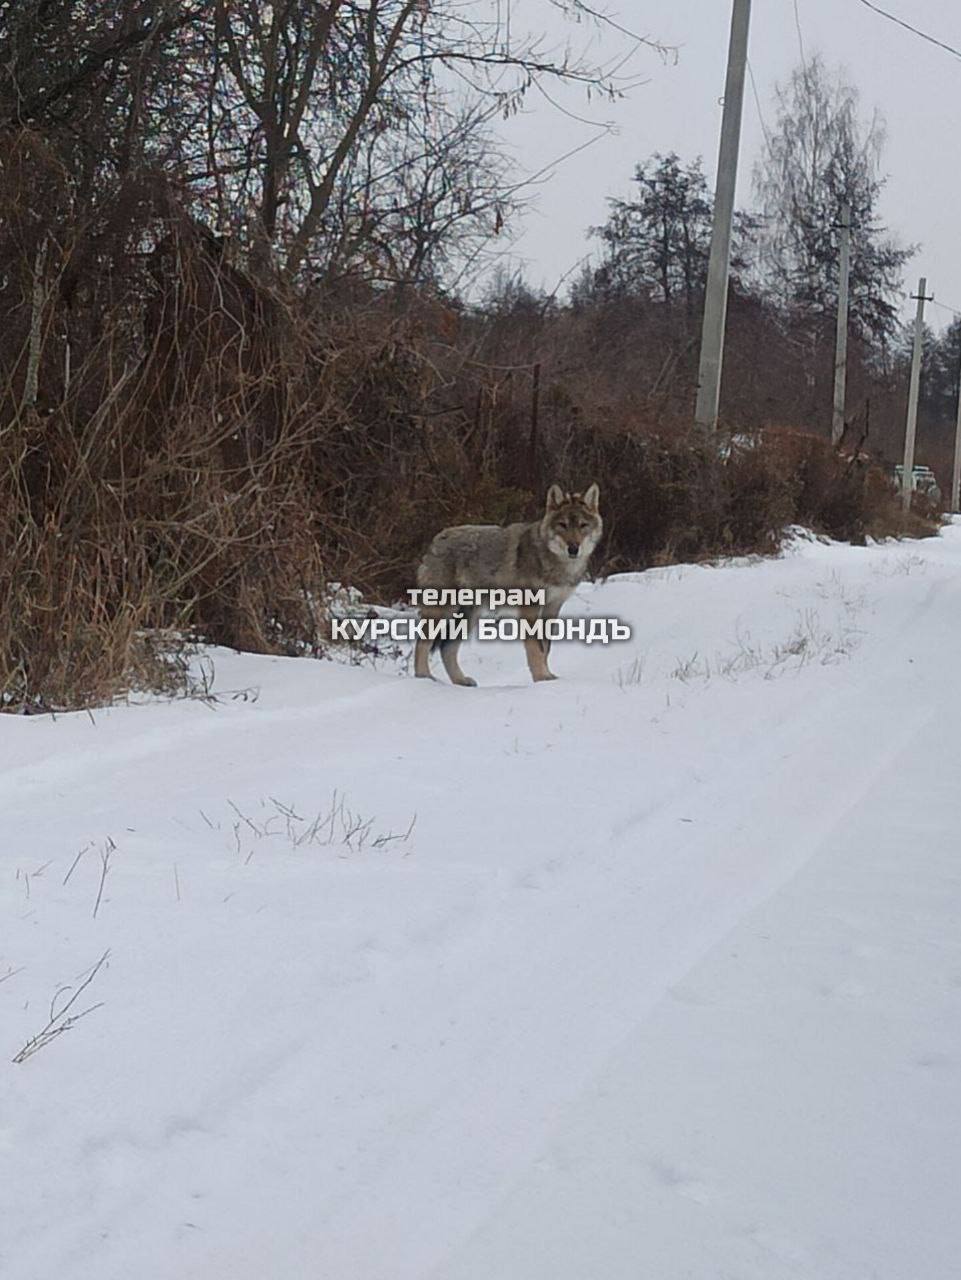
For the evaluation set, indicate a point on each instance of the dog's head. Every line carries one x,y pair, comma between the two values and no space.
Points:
572,524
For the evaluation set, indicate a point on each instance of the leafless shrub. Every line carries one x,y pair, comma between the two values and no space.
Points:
809,642
693,668
106,850
338,826
76,860
901,566
630,675
62,1019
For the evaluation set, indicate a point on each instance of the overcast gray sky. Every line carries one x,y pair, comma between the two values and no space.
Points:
916,86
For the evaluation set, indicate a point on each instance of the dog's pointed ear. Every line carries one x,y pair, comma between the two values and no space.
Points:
555,497
592,497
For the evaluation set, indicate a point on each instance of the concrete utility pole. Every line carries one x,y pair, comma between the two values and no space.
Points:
841,347
956,472
910,431
719,264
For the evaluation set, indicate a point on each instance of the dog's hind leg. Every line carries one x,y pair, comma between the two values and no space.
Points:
448,650
424,648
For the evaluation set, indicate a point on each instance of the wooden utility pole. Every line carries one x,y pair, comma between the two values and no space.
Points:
956,471
719,263
841,345
911,427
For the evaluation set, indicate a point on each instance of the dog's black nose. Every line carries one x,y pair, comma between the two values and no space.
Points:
572,550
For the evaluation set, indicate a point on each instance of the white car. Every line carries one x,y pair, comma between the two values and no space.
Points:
925,481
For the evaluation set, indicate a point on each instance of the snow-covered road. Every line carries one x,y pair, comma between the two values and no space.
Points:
664,982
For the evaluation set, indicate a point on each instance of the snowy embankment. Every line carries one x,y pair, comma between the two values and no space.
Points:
664,981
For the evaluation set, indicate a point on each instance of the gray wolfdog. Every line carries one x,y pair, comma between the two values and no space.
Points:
549,554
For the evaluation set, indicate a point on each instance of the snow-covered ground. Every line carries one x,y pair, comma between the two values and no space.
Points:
663,981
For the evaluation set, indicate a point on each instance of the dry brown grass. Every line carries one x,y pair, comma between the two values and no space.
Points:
202,451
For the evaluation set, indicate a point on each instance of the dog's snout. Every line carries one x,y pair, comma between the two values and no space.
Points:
573,550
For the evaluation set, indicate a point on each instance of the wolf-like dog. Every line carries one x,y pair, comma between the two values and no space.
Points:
549,554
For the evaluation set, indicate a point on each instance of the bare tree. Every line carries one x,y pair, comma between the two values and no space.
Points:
425,212
296,126
821,155
318,94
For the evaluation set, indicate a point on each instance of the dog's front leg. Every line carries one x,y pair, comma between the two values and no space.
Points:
534,649
549,612
422,660
422,648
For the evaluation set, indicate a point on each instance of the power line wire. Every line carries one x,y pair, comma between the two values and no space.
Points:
944,307
914,30
757,103
939,44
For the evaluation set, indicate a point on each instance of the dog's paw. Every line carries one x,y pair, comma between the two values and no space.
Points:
467,682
